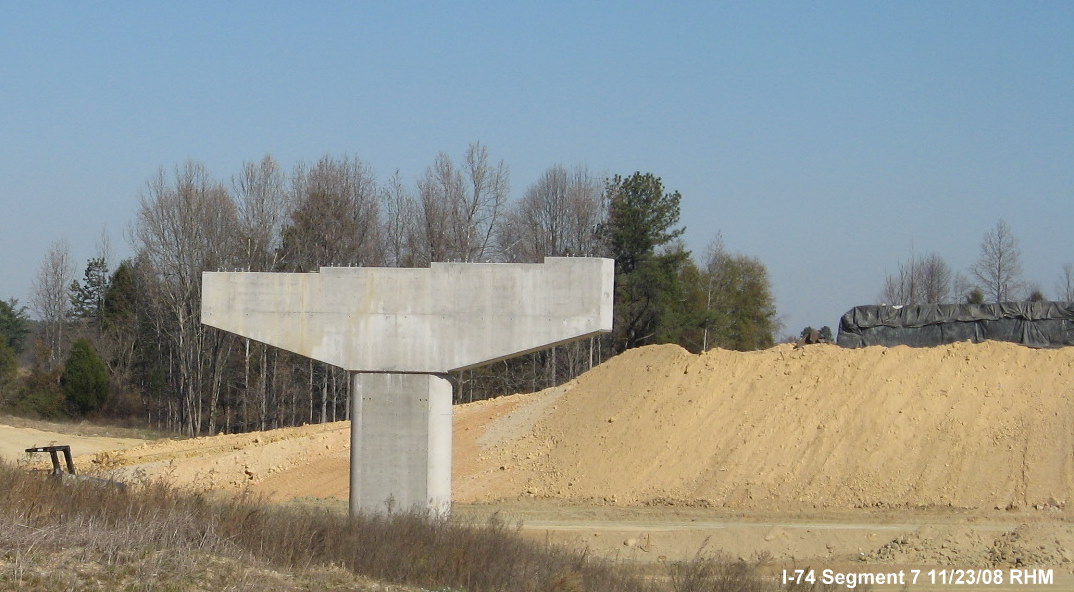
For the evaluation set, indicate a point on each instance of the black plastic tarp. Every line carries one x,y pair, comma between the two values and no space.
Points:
1036,324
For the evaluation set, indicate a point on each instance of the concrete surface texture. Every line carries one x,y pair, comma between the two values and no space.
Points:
400,442
447,317
400,331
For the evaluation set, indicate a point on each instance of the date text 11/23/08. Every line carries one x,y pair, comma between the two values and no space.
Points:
910,577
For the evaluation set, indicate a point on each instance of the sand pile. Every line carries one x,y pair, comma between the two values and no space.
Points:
314,457
963,425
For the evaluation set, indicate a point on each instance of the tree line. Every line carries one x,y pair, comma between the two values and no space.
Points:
996,276
140,321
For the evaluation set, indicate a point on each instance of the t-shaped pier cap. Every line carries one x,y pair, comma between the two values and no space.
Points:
401,330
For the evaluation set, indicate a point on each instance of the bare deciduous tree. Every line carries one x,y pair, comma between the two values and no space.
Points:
937,279
999,268
187,225
459,207
1065,286
715,263
558,215
261,193
401,229
900,288
920,281
262,196
50,298
103,244
336,220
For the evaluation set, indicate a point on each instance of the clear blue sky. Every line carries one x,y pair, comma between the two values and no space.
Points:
827,139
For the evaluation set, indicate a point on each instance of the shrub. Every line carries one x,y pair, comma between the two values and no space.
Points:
41,404
85,378
39,396
8,369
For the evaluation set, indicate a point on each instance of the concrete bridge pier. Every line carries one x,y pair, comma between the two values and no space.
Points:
400,331
400,442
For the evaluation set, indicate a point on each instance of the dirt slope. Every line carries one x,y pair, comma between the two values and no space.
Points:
963,425
314,457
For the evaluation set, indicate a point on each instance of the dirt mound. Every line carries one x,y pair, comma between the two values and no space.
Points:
963,425
958,455
243,461
967,425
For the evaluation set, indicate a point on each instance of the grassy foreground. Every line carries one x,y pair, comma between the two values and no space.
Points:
80,535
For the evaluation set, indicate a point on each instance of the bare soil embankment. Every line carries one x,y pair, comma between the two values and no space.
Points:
925,442
962,425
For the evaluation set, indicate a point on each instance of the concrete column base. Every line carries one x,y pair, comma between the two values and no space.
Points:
400,443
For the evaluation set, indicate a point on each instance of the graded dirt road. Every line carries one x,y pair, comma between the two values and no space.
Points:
960,456
14,440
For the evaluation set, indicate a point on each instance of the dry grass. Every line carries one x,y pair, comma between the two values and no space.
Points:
81,535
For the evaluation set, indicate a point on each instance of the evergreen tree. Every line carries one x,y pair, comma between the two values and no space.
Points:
13,325
688,315
642,218
12,334
826,334
8,371
84,379
976,296
120,296
87,297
